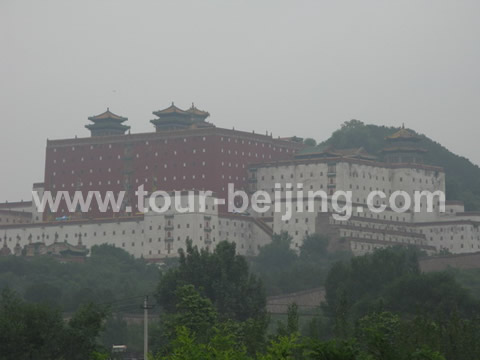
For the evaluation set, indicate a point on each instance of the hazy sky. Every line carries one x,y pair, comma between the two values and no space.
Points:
290,67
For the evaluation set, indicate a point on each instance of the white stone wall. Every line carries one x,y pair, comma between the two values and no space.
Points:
359,178
119,232
8,217
152,236
455,236
37,217
157,236
362,178
454,208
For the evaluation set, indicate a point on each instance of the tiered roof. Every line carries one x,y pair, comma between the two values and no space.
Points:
195,112
107,115
402,147
171,110
107,123
403,134
331,152
403,141
174,118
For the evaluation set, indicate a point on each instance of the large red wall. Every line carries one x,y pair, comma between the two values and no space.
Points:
98,160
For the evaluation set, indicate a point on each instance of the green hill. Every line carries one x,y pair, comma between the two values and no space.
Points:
462,176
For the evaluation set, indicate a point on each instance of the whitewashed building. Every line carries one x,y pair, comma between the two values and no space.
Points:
156,236
354,170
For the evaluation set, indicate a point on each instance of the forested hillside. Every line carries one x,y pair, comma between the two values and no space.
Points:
463,177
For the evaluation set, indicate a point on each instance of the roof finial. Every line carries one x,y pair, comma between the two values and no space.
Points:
403,125
108,109
173,103
193,104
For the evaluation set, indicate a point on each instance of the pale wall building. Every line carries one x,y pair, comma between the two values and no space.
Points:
355,170
153,236
156,236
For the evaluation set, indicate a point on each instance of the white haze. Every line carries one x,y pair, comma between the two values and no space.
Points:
289,67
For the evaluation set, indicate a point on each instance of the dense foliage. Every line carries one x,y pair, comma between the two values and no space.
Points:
284,270
214,289
108,275
37,331
222,276
387,288
468,278
378,307
462,176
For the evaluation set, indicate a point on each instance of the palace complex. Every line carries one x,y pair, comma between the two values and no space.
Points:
186,153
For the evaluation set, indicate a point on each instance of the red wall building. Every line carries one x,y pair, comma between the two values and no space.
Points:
185,152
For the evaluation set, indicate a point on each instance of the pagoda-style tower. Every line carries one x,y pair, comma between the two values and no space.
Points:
171,118
17,250
199,117
196,114
174,118
5,251
402,147
107,124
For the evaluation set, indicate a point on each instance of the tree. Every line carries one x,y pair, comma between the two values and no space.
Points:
310,142
436,293
44,293
29,331
37,331
109,274
115,331
332,350
291,327
398,312
379,334
352,124
360,282
221,276
221,346
194,312
276,264
283,348
284,270
224,279
83,331
314,247
277,255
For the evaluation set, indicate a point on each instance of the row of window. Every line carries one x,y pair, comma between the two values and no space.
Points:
110,145
14,221
321,174
452,238
146,180
165,166
166,141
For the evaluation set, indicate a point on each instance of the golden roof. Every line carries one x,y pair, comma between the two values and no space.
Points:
171,110
355,152
404,149
194,111
108,115
403,134
330,151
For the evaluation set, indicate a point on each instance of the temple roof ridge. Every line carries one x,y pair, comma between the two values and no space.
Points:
403,134
108,115
195,111
171,110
